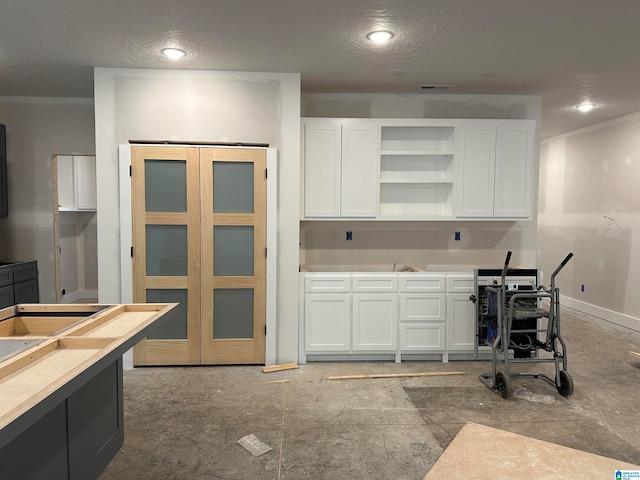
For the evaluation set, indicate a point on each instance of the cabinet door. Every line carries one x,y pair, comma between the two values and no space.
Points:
85,170
66,182
360,167
6,296
514,170
322,152
475,164
327,322
422,337
26,292
422,307
460,322
375,322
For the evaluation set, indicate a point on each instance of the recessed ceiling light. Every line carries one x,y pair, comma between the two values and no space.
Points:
173,53
380,36
585,107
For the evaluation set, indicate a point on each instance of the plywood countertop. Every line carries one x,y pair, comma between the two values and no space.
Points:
70,343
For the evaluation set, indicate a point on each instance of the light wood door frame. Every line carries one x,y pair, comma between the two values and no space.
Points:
237,350
169,351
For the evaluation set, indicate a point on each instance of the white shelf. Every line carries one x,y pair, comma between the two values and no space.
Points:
416,152
72,209
416,200
417,180
413,140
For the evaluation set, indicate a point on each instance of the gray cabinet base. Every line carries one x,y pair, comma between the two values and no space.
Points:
76,439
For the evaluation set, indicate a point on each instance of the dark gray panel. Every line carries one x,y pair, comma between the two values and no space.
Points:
233,250
165,185
6,275
26,292
95,417
233,187
40,452
233,313
6,296
166,250
173,324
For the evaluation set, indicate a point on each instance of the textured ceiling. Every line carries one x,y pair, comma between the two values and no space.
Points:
567,51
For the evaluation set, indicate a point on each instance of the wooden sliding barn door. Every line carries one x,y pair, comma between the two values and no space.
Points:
199,239
233,255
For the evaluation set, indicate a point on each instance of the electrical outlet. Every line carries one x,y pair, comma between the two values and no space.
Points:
457,236
349,235
582,287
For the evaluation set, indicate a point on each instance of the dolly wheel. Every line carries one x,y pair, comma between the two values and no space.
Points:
503,384
566,384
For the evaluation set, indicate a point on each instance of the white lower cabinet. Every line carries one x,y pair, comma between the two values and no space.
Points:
327,319
422,322
375,322
422,337
412,314
460,322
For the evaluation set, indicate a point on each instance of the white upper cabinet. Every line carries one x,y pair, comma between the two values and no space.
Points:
494,163
476,160
76,182
322,159
417,169
514,170
340,168
359,185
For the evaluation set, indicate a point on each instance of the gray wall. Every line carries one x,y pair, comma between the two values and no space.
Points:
482,243
38,129
589,204
207,106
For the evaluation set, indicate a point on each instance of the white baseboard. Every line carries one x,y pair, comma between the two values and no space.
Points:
614,317
78,294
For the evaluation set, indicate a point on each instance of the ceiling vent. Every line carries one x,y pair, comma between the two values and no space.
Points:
435,87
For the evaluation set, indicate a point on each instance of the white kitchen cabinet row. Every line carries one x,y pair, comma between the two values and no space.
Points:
346,314
417,169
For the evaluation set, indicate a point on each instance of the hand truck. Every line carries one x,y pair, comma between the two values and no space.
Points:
510,306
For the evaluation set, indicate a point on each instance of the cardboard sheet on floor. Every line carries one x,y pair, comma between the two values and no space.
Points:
252,444
481,453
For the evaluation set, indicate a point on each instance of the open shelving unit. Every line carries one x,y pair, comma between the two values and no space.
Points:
416,171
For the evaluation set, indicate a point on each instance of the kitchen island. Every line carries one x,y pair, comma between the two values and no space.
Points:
61,403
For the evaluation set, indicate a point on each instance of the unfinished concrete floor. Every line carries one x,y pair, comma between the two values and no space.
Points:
183,423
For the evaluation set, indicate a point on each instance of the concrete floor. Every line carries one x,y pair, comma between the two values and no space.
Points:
183,423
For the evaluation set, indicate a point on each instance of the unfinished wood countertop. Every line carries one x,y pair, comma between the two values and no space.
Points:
70,343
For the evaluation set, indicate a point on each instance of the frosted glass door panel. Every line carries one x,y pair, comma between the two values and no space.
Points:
166,250
173,323
165,185
232,313
232,187
232,250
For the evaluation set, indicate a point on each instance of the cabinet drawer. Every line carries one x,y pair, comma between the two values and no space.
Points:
422,307
26,292
327,283
6,296
375,283
422,338
6,276
422,283
25,271
460,283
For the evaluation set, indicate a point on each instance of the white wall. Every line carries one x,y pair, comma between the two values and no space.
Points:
482,243
38,129
589,204
205,106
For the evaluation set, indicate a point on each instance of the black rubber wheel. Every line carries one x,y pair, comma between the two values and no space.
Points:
566,384
503,384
